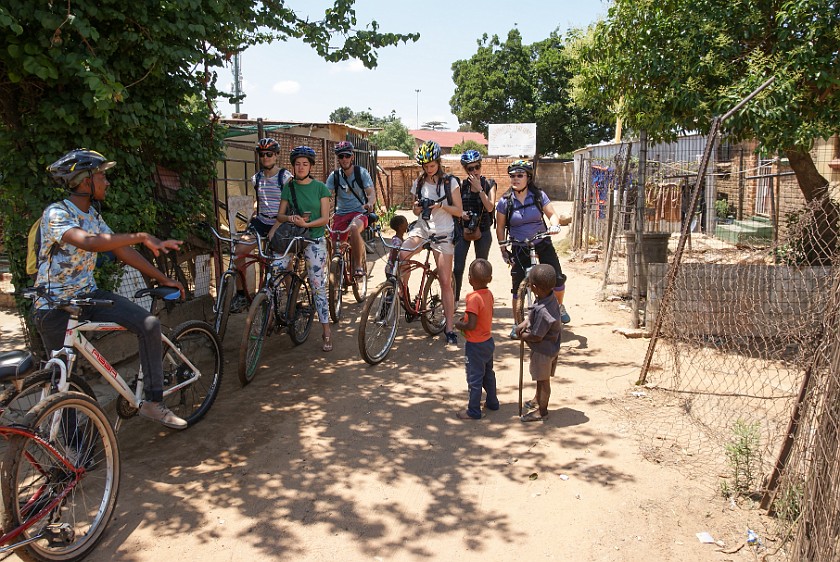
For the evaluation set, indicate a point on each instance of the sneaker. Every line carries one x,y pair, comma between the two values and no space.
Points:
157,411
238,303
564,316
451,338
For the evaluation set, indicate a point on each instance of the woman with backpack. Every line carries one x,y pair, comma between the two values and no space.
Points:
437,202
520,215
478,195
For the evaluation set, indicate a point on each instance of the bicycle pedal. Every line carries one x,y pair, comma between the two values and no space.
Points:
59,534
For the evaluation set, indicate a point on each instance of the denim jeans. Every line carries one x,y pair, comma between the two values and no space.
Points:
52,323
478,358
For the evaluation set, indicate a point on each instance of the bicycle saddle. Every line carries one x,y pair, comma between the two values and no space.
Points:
15,364
165,293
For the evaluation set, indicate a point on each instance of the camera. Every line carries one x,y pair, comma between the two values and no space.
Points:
472,223
427,205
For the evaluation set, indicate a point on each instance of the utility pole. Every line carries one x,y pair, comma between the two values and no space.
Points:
237,79
418,108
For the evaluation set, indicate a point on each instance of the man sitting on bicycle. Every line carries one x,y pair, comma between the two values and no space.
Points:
72,232
268,185
354,198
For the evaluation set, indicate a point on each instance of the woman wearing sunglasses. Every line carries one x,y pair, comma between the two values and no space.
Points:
520,214
478,194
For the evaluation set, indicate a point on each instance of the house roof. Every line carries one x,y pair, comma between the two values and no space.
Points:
447,139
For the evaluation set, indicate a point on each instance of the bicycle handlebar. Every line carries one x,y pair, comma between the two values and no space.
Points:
52,302
433,238
528,241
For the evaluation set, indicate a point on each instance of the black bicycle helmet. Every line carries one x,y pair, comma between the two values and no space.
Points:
343,147
299,151
267,145
70,169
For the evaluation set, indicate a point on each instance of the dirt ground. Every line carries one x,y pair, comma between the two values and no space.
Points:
326,458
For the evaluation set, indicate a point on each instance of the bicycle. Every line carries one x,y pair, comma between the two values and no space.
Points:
379,319
524,295
60,479
192,363
341,274
226,287
284,303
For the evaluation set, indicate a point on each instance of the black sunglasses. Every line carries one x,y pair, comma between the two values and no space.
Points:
475,168
267,154
519,175
342,156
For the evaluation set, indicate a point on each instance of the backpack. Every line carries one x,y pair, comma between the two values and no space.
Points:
357,174
536,193
33,244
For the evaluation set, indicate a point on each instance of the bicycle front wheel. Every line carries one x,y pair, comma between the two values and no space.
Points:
192,370
256,328
301,311
336,288
524,302
378,323
222,313
433,317
69,507
36,387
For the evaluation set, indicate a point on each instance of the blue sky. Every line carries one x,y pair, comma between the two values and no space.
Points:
288,81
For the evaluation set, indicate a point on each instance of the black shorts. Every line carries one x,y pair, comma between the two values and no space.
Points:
258,225
521,261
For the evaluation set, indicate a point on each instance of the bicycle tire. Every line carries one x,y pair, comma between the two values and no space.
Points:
17,403
32,477
360,284
200,344
256,327
336,289
223,300
301,311
378,323
433,318
524,301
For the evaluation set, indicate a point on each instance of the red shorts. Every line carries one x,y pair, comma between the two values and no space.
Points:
341,222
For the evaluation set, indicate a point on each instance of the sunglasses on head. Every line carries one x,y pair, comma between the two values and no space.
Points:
267,154
474,168
518,175
343,156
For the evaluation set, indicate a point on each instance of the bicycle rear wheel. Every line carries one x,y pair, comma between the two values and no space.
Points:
222,306
433,319
199,344
378,323
524,302
336,288
71,508
37,386
256,328
301,311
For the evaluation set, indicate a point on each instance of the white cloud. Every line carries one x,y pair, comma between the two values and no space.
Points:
286,87
351,66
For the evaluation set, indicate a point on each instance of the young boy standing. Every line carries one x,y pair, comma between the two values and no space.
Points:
478,351
541,330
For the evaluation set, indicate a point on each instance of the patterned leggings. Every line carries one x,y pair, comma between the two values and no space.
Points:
316,271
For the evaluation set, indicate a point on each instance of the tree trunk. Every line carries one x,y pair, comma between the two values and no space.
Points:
818,240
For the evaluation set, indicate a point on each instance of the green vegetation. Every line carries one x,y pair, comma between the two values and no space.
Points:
744,457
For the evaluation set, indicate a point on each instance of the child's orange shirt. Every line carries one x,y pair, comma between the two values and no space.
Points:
480,303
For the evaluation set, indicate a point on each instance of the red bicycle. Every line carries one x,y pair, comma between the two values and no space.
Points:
60,475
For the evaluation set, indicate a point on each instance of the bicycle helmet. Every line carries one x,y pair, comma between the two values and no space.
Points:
470,157
299,151
71,168
521,166
344,147
267,145
429,151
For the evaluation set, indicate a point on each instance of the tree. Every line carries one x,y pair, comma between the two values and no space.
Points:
667,66
469,145
514,83
139,85
341,115
394,136
433,125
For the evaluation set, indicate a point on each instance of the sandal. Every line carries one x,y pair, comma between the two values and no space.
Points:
327,343
360,272
463,415
532,417
531,404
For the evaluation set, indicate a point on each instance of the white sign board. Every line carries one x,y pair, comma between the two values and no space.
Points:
512,139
